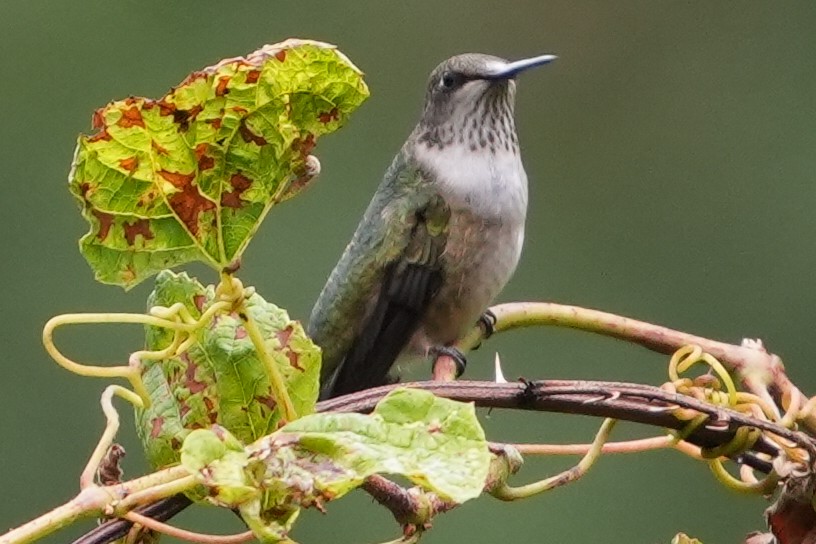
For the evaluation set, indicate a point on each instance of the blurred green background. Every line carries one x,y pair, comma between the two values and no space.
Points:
671,152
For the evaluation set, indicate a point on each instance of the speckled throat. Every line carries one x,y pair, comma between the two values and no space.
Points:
485,123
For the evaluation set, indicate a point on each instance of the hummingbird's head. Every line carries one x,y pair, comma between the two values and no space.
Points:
470,101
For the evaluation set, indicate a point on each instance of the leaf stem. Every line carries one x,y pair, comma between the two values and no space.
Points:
132,372
275,377
276,380
509,493
189,536
766,486
94,500
629,446
112,426
157,491
230,288
176,318
83,505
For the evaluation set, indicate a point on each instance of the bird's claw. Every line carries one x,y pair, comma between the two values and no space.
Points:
488,322
457,356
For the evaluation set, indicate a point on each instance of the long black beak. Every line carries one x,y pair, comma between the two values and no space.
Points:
512,69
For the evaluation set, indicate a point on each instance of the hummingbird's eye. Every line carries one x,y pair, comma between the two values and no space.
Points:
448,80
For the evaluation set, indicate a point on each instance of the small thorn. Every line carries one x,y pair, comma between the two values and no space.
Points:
527,396
662,409
499,374
614,395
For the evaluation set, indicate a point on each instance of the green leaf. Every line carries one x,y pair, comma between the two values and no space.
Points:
232,478
436,443
220,463
190,176
201,448
220,378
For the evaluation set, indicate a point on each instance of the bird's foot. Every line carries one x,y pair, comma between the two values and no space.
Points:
488,323
452,353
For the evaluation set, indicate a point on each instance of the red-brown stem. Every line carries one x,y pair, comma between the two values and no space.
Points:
759,371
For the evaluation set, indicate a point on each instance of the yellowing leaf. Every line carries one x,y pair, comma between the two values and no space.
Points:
434,442
191,175
220,379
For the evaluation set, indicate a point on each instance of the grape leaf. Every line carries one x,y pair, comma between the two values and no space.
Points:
436,443
220,378
191,175
221,462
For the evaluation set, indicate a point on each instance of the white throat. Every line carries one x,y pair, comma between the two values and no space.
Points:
489,183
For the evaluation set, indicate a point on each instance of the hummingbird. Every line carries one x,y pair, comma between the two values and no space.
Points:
441,237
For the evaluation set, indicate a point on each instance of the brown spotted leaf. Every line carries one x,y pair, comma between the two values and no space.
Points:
436,443
220,379
191,175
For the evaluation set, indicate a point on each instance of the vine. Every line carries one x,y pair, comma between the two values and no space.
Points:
225,389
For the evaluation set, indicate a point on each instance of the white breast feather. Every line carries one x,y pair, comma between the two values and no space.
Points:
492,182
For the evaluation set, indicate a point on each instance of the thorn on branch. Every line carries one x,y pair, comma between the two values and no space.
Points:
527,396
499,375
611,396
